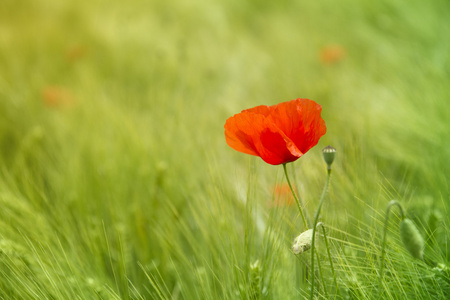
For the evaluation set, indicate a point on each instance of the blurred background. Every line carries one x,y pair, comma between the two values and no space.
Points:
115,178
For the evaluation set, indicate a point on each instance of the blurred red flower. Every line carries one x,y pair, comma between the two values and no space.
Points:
56,96
279,133
282,195
75,53
331,54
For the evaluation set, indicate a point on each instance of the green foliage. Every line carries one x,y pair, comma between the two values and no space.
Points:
116,181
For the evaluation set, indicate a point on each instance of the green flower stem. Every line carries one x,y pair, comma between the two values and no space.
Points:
316,218
321,276
329,257
295,197
383,246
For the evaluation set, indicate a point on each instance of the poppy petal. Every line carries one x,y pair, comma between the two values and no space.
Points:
275,147
240,131
300,120
261,110
278,134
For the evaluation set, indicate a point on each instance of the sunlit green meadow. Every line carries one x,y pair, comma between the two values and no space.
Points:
116,181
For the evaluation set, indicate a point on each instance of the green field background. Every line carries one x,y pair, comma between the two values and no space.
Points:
116,181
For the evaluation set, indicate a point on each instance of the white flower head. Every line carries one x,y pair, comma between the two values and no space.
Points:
303,242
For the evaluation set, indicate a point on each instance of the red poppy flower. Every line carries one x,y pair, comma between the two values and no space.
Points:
279,133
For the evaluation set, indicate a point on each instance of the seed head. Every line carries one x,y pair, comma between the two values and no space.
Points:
329,153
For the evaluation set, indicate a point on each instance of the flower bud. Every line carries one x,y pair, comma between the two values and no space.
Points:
329,153
303,242
411,238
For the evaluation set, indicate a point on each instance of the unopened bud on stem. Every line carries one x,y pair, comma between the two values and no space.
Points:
329,153
303,242
411,238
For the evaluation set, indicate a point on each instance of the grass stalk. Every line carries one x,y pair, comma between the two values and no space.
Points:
316,218
383,245
329,257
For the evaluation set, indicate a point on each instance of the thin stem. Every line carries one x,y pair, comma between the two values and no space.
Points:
383,246
321,276
295,197
329,257
316,218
